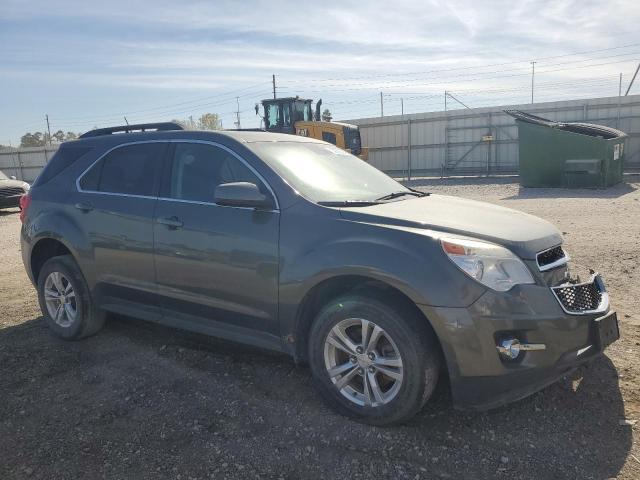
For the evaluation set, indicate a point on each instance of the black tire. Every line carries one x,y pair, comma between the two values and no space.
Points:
416,344
88,320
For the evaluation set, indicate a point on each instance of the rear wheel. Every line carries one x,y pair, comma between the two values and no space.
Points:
65,300
371,361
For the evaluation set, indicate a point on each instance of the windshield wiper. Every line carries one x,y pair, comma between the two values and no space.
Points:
401,193
349,203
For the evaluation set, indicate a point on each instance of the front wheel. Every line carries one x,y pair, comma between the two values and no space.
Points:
374,362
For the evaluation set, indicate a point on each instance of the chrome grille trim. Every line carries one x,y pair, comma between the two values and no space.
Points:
556,263
595,280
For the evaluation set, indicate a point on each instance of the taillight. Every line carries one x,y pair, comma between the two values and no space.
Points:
25,201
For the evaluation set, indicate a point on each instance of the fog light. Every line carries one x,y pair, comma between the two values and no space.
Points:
511,347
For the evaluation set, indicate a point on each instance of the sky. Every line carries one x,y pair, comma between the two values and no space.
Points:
89,64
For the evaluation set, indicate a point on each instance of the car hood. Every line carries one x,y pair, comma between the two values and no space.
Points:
522,233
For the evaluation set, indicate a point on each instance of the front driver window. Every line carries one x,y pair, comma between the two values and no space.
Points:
197,170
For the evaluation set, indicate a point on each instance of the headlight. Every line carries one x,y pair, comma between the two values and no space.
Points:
26,186
488,263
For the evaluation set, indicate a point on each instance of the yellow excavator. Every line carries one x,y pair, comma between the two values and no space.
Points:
294,115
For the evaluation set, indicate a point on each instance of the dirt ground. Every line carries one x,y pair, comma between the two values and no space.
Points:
142,401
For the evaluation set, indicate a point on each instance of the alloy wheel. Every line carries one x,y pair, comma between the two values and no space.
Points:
60,299
363,362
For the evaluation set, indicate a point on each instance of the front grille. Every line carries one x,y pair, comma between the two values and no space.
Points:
549,257
580,298
10,191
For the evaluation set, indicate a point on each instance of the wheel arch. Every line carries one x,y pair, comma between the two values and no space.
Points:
330,288
44,249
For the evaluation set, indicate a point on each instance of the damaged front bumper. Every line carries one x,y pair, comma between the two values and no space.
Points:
506,346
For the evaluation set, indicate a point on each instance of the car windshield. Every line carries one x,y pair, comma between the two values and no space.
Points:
324,173
3,176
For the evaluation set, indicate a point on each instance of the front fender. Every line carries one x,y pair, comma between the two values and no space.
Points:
413,264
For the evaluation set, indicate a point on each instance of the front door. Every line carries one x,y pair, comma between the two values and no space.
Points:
216,266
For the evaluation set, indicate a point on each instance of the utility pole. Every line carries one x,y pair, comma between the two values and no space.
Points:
533,73
632,80
401,106
381,106
619,100
273,77
46,115
238,113
445,100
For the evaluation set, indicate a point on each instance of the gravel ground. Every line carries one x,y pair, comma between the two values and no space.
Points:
142,401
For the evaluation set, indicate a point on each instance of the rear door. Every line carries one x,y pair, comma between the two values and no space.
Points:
116,199
217,266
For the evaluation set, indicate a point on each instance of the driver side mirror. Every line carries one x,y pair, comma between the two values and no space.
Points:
242,194
13,177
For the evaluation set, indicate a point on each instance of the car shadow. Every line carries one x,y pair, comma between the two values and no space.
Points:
168,394
614,191
8,211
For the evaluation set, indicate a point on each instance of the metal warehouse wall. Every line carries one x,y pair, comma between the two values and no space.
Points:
25,163
451,142
439,143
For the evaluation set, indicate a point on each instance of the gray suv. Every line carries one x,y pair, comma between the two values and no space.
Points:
291,244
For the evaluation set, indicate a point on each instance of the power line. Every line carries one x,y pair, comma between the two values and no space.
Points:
161,107
163,113
474,66
469,76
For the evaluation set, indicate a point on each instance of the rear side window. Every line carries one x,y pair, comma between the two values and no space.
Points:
130,170
65,156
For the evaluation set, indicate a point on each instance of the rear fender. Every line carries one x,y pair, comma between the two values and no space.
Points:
57,225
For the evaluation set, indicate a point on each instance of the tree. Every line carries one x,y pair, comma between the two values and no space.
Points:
39,139
209,121
326,115
58,136
32,140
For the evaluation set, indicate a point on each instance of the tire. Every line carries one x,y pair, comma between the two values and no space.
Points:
62,274
402,333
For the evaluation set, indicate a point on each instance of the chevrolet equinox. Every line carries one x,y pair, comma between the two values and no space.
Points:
291,244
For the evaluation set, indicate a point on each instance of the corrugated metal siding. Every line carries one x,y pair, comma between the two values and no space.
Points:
25,163
438,138
453,138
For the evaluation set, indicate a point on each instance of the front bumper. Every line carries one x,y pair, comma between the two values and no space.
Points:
480,377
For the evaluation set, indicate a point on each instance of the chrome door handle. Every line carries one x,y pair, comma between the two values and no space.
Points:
85,207
171,222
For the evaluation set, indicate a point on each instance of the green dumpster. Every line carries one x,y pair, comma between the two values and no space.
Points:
556,154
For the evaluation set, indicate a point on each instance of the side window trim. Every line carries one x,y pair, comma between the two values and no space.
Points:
165,165
122,145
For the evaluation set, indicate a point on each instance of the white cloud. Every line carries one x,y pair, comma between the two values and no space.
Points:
345,51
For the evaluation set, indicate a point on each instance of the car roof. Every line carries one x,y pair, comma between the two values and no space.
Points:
240,136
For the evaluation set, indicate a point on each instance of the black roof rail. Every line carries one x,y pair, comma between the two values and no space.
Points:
140,127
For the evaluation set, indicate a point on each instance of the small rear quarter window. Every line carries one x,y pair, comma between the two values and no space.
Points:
63,158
